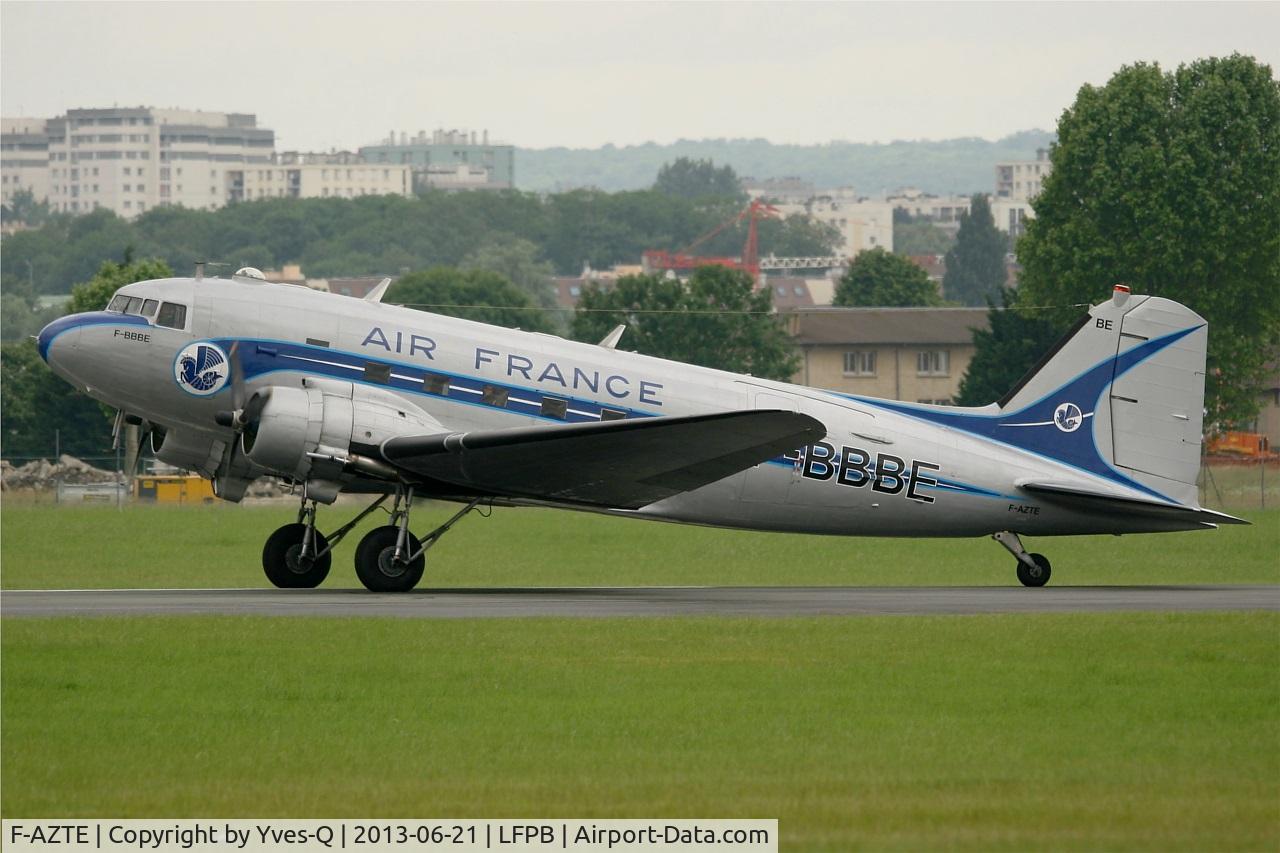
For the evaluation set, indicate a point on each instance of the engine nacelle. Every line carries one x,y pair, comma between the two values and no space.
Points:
307,432
206,455
193,451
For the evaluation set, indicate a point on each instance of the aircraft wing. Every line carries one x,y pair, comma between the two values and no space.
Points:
625,464
1100,500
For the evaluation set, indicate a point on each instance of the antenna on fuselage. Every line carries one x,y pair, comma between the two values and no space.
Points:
199,270
380,288
611,340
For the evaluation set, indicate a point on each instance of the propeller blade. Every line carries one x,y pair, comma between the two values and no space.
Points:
133,465
117,427
237,377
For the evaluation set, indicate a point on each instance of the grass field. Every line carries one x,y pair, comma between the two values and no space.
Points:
221,546
1085,731
1098,731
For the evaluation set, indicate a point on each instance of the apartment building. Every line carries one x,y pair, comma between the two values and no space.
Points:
132,159
340,174
24,157
1022,180
448,159
917,355
862,223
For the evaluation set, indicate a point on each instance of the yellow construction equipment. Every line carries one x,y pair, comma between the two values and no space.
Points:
174,489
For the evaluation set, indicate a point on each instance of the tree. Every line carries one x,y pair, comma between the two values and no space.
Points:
975,265
878,278
19,318
471,294
518,262
37,403
94,294
1170,183
24,208
919,238
715,320
1003,353
695,179
795,236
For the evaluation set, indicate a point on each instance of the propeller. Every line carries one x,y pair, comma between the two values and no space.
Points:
243,417
243,412
134,456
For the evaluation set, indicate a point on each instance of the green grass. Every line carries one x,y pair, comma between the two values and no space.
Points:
1097,731
221,546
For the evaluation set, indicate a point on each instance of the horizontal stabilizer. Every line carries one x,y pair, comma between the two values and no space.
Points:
1084,498
625,464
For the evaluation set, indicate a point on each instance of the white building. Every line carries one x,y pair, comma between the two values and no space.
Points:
307,175
863,223
1010,215
942,210
24,157
1021,180
133,159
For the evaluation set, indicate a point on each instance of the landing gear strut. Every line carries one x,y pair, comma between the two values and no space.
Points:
392,559
1033,569
297,556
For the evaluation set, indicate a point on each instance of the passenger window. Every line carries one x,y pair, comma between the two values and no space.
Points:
494,395
612,415
434,384
172,315
554,407
149,307
374,372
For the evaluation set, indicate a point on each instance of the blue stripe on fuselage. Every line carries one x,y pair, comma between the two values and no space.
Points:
75,321
261,357
1077,449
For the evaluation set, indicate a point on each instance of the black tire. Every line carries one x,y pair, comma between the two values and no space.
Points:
280,559
1039,576
375,567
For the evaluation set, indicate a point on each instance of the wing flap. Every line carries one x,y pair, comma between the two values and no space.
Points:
624,464
1086,498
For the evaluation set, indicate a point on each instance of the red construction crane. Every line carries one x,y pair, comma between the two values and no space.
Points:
658,259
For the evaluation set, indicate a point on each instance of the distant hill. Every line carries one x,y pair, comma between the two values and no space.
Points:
939,166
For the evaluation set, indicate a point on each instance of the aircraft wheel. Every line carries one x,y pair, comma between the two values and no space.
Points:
1037,576
376,566
283,563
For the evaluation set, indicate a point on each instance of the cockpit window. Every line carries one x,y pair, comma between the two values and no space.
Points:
134,305
118,302
149,307
172,315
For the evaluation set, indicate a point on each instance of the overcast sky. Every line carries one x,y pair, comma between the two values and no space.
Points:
339,75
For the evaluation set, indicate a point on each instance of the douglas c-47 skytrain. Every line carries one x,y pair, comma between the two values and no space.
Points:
236,378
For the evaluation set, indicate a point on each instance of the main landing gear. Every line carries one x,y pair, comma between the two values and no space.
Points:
388,559
1033,569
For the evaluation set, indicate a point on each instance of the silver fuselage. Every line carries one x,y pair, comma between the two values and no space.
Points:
885,471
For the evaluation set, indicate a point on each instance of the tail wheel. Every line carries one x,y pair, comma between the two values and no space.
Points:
1037,575
284,564
377,567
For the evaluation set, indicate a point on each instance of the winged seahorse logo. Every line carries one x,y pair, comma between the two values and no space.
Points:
197,369
1068,417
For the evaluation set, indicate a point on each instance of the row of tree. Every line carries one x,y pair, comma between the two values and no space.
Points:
717,319
1169,182
387,234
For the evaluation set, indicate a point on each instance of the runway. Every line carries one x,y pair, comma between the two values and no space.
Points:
637,601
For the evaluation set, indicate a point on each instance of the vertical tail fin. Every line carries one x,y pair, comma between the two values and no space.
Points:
1135,367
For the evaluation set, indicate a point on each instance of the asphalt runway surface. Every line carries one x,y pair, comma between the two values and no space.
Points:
637,601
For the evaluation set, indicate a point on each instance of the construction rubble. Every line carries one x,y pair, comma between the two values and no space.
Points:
42,474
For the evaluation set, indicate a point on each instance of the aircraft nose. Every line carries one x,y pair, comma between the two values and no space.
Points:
58,335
